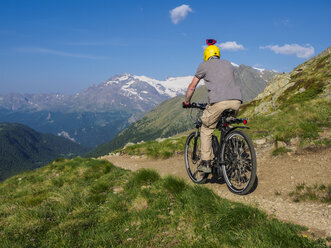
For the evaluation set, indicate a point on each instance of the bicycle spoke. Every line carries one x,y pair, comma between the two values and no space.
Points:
195,173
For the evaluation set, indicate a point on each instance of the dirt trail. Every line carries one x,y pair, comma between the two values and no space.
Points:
279,174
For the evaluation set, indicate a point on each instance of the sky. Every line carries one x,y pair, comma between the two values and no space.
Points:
65,46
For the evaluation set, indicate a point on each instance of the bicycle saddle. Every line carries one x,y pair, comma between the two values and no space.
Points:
228,112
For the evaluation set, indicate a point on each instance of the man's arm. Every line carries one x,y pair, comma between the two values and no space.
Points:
191,89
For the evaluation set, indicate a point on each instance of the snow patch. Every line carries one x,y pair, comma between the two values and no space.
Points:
111,82
124,77
128,84
66,135
259,69
172,86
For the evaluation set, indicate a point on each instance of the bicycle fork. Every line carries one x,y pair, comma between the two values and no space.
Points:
194,156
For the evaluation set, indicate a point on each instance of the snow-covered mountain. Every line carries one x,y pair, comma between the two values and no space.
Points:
172,86
129,92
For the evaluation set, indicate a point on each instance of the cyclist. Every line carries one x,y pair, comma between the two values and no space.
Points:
218,75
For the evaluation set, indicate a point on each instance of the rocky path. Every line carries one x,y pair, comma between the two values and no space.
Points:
277,177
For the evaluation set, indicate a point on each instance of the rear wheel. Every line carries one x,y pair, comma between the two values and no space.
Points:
192,155
238,155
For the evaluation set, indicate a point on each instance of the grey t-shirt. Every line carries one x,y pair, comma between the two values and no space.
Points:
219,77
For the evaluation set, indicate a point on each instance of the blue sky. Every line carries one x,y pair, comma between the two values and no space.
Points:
65,46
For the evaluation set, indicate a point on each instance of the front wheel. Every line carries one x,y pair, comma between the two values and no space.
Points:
239,159
192,155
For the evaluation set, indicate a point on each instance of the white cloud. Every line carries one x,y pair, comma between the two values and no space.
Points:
179,13
56,52
302,52
231,46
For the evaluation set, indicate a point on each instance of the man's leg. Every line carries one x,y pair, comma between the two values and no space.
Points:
209,119
206,147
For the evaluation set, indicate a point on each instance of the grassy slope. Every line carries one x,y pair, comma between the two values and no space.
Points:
91,203
302,110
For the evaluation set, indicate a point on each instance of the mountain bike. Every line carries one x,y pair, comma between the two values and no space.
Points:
234,154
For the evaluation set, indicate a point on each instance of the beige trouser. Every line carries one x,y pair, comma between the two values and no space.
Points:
209,119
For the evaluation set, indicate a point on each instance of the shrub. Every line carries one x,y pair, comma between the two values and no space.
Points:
280,151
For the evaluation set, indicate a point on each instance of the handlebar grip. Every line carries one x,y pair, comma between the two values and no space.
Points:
184,105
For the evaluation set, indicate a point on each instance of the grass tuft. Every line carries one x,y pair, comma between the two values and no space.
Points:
154,149
174,185
280,151
143,177
317,192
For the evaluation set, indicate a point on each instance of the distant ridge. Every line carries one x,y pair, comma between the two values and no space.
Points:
22,148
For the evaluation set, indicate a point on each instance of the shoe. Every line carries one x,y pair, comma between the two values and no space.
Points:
204,166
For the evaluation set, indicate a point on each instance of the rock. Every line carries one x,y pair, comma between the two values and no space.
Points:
295,141
117,190
274,85
260,141
279,144
271,94
160,139
129,144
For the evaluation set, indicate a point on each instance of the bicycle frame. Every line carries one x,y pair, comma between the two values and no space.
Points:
224,130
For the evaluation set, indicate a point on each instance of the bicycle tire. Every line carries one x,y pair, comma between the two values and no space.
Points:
193,159
239,158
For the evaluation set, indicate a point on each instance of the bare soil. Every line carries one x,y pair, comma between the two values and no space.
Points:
277,177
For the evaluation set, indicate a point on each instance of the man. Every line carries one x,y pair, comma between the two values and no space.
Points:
222,94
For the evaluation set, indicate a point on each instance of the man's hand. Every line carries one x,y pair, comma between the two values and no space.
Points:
186,104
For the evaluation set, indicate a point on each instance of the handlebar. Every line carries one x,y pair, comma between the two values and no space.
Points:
201,106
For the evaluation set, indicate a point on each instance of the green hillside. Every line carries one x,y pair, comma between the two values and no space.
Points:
91,203
22,148
295,105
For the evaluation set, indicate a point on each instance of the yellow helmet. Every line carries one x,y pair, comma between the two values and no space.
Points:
211,51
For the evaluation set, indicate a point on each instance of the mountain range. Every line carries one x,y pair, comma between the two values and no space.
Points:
97,114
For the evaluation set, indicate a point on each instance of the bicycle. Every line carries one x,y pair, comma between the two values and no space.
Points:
235,158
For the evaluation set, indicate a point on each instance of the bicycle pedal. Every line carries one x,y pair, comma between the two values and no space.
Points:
204,169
